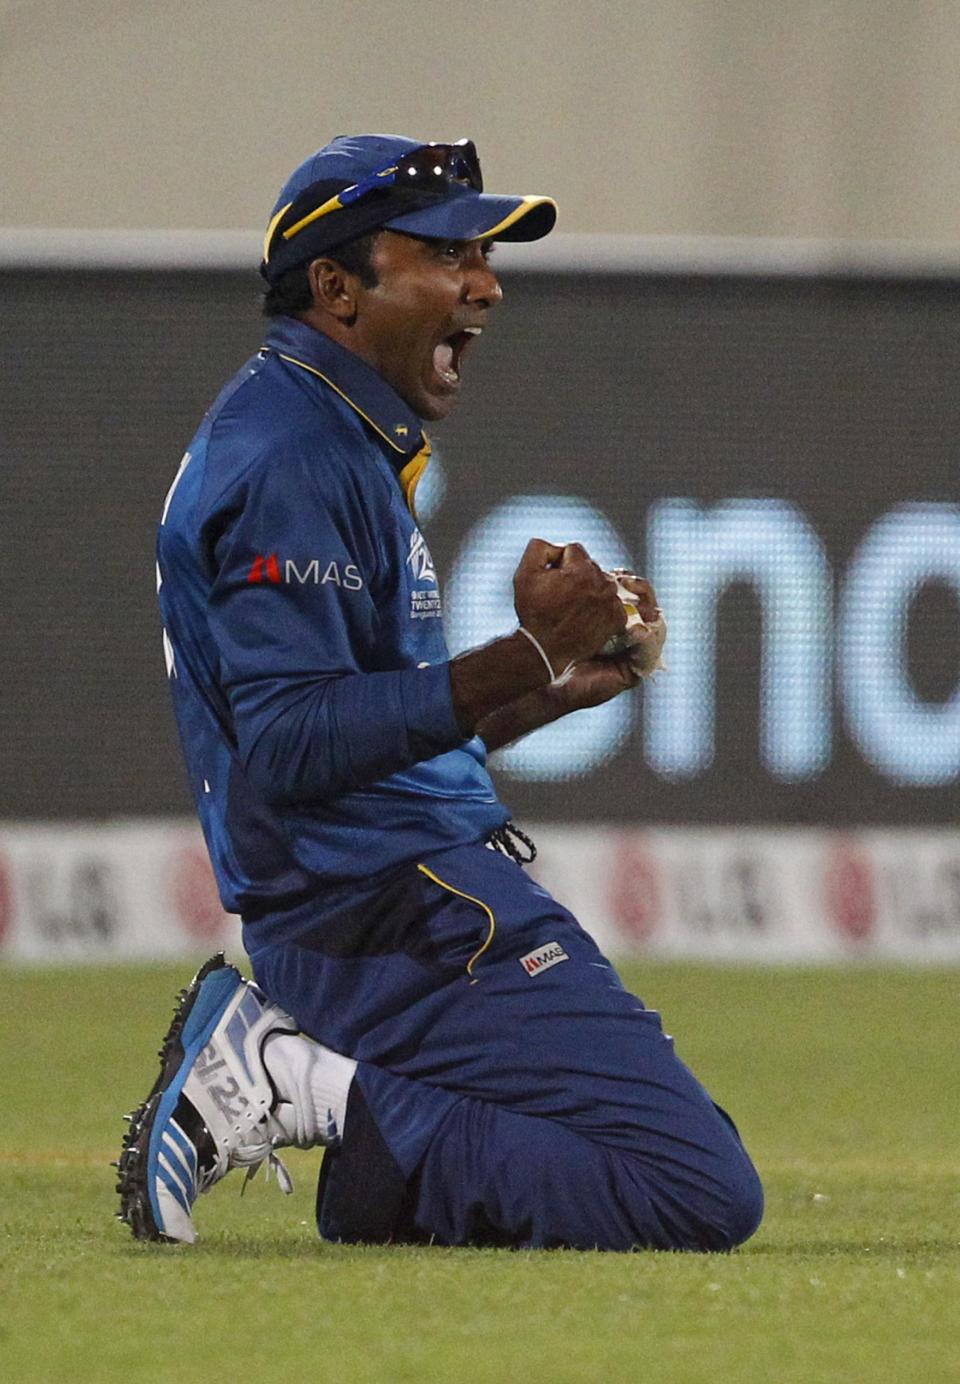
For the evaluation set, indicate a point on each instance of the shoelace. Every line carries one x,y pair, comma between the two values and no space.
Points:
205,1178
274,1161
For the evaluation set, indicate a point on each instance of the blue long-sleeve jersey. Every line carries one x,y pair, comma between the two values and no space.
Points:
304,640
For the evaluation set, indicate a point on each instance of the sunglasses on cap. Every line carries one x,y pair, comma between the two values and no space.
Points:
426,173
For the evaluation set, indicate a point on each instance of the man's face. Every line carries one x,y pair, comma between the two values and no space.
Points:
431,301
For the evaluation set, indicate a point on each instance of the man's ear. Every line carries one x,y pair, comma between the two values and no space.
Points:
334,289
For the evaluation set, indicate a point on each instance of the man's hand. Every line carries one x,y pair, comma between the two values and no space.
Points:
571,607
592,682
597,680
566,601
645,641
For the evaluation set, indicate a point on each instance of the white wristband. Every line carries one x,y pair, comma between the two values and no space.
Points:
556,679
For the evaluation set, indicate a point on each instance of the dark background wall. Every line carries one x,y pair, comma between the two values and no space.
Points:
836,395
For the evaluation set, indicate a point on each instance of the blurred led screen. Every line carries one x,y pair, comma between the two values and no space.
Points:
777,455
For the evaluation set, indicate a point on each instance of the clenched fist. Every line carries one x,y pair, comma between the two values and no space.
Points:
567,602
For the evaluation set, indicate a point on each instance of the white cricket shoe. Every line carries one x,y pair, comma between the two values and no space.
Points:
211,1108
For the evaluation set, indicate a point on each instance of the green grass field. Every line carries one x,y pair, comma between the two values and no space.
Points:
845,1085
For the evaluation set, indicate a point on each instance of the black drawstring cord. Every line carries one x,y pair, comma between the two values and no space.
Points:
502,841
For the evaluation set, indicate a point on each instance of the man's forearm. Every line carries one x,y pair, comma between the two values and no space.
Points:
519,718
487,680
592,683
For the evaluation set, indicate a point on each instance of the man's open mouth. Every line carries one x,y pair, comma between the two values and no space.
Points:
448,354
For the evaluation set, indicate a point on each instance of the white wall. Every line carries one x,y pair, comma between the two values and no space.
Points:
832,118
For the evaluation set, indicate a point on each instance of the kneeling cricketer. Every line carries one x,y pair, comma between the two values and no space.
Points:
420,1008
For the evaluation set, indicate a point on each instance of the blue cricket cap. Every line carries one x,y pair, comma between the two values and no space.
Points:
360,183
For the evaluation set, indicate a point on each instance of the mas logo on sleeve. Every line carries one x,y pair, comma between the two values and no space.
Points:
542,958
315,571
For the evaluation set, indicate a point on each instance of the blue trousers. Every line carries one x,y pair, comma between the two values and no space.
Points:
509,1089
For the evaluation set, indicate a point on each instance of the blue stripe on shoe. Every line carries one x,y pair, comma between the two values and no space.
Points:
213,998
174,1132
248,1012
176,1162
251,1006
172,1186
235,1032
175,1170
